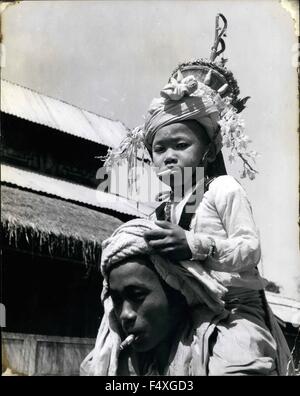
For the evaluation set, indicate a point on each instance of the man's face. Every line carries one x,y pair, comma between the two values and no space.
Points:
178,146
140,304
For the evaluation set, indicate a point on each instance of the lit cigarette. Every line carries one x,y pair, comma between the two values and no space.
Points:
128,341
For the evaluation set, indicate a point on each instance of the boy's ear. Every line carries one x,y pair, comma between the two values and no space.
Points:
210,154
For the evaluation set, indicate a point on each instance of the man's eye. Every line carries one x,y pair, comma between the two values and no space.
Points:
137,297
116,300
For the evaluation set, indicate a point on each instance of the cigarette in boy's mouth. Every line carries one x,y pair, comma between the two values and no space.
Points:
128,341
167,172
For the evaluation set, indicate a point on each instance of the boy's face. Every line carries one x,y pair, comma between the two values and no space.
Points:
178,146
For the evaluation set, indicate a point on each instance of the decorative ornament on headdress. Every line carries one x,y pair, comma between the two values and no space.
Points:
211,80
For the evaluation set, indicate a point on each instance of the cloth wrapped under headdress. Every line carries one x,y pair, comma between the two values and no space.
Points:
191,279
182,100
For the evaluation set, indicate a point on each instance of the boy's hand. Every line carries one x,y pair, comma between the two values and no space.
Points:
169,240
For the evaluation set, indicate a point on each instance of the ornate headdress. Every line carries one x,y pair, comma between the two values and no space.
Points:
210,89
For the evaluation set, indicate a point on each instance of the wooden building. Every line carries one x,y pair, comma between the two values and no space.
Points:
287,312
53,221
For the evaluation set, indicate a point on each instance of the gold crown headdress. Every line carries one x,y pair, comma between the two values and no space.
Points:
213,73
213,81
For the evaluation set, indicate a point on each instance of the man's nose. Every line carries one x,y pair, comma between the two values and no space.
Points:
127,314
170,157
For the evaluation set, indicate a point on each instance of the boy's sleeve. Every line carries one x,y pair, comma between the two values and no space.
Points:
241,249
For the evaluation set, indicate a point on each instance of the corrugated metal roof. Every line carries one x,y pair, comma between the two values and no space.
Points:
285,308
41,109
71,191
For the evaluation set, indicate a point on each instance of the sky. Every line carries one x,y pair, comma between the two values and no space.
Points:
113,57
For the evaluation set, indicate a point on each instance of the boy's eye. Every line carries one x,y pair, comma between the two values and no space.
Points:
182,145
158,149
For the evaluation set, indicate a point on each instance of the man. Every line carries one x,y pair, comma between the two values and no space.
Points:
175,317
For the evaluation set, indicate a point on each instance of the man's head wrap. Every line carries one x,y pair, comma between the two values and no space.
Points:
191,279
196,284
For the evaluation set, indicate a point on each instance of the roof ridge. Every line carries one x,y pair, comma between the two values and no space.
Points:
63,101
279,295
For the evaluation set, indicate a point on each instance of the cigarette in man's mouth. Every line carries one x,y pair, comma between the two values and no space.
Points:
128,341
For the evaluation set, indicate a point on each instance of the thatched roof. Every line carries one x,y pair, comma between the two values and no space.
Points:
54,225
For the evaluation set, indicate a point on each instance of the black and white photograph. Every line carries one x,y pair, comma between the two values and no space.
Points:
150,190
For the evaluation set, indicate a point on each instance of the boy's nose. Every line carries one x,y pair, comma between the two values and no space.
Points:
170,157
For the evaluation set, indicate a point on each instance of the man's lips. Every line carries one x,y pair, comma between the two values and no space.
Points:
138,334
135,333
132,338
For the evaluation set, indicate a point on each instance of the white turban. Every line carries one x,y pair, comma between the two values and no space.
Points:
190,278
